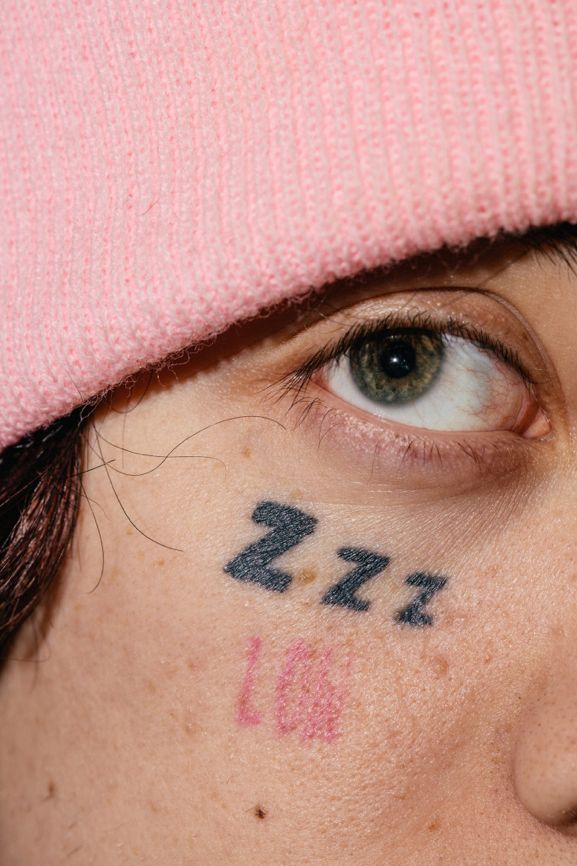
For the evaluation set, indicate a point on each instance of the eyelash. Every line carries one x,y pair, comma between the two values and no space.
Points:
484,455
297,379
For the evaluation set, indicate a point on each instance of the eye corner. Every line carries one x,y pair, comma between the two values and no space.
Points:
487,397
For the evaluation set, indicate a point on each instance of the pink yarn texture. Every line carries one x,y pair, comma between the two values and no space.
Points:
167,168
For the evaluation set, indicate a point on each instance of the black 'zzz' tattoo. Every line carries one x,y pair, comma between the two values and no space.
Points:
413,613
343,592
289,526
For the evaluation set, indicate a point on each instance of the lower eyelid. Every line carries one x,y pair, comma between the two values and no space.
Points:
373,450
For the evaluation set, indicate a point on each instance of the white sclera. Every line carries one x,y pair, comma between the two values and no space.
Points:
471,392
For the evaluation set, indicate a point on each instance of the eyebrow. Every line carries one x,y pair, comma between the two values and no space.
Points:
556,242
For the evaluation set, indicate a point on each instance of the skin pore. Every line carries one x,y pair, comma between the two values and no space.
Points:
317,609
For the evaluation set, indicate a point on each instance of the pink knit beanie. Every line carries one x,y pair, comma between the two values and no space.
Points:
167,168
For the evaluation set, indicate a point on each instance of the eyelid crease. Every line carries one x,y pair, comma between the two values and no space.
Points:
406,321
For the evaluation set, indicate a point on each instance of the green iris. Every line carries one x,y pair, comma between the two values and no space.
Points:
399,367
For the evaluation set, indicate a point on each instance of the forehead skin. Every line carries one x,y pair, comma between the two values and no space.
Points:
181,711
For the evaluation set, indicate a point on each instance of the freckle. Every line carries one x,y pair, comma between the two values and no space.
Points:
246,452
169,669
296,495
50,790
151,686
260,813
440,665
160,563
153,806
306,575
434,825
392,735
556,631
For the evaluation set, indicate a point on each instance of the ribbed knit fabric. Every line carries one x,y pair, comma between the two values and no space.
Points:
169,167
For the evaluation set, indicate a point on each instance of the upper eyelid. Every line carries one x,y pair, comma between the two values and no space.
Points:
401,320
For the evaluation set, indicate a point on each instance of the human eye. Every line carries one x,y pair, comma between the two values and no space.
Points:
425,387
436,376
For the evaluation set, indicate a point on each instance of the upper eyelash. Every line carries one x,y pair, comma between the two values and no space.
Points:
358,334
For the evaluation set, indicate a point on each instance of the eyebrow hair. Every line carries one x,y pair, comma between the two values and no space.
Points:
556,242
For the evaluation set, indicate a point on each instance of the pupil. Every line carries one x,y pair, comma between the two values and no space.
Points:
398,360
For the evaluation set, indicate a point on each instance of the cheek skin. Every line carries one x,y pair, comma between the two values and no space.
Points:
146,723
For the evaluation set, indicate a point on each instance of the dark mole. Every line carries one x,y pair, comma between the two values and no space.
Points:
259,813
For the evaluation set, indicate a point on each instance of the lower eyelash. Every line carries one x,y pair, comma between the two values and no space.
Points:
387,452
388,449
